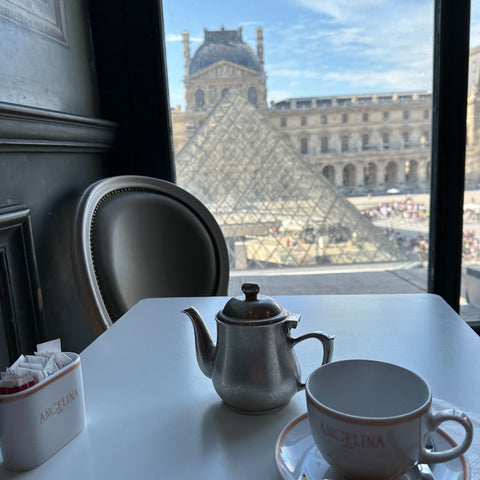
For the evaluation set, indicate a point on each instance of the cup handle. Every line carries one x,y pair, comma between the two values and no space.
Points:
433,422
327,342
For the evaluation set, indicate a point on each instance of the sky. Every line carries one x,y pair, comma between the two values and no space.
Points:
318,47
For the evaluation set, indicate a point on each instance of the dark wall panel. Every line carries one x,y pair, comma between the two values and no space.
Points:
46,160
52,146
49,185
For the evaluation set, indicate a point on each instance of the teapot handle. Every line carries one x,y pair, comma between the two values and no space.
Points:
327,342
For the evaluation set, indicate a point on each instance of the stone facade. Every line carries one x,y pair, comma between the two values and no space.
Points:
360,143
472,164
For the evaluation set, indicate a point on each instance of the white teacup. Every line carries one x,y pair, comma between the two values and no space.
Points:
370,419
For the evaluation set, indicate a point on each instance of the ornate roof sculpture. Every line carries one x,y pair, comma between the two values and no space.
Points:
272,208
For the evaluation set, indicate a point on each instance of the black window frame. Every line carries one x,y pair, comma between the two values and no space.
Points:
451,54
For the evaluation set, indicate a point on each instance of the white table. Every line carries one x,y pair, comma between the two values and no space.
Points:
152,414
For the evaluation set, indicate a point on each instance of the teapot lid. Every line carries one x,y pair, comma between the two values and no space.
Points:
253,308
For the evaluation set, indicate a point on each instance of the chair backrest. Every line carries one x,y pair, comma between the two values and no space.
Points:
137,237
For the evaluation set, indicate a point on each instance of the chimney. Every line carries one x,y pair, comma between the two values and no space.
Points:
186,52
260,45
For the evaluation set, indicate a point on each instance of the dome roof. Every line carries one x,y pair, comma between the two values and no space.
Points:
224,45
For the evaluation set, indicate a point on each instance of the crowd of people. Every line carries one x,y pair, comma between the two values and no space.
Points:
406,209
413,244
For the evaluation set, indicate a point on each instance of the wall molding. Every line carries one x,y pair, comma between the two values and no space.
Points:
46,18
21,308
28,129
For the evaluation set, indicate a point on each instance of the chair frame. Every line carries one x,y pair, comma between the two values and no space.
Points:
82,256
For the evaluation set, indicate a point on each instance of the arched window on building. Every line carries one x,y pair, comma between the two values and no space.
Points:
329,173
349,175
199,99
370,175
225,91
391,173
252,96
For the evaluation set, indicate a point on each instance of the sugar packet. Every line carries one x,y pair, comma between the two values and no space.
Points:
28,370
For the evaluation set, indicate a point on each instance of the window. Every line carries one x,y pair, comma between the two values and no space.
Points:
426,137
303,121
199,99
382,104
365,142
283,122
225,91
304,146
329,173
324,144
406,114
365,117
385,139
406,139
344,118
252,96
426,114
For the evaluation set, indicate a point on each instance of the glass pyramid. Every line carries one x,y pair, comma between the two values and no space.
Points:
273,208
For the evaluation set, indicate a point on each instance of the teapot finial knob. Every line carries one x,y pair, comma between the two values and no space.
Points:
251,291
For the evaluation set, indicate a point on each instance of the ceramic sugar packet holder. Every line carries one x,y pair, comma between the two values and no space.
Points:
37,422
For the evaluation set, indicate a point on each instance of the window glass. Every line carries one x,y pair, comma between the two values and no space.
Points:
324,144
329,173
252,96
199,99
304,146
236,69
470,289
364,141
385,138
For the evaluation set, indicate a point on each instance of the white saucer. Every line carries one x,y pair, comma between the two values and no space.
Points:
296,453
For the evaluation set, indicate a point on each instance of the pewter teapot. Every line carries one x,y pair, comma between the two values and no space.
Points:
252,364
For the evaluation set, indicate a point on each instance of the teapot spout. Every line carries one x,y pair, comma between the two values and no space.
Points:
204,344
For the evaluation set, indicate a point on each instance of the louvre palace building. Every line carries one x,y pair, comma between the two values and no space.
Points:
360,143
